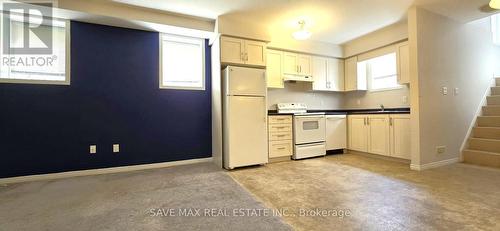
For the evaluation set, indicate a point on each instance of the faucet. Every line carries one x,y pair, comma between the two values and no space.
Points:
382,107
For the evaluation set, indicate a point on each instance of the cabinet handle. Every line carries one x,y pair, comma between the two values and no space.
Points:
280,135
281,148
246,56
367,121
242,56
390,121
364,121
300,69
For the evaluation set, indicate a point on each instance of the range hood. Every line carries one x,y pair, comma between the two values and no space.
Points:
301,78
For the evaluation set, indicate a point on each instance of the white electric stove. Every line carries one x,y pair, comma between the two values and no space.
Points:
308,130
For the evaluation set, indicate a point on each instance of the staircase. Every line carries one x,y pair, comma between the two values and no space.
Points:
484,144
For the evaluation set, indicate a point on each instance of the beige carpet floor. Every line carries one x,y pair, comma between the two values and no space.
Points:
163,199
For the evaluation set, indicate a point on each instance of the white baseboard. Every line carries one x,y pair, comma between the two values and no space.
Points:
53,176
434,164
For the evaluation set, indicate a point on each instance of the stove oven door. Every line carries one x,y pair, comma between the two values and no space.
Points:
309,129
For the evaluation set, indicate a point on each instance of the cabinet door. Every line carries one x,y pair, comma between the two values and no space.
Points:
378,126
305,64
358,137
400,136
255,53
290,65
404,64
274,69
232,50
320,74
335,79
351,74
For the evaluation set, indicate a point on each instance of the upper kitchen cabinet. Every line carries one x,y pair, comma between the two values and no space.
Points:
328,74
243,51
297,64
355,80
403,53
320,74
305,64
274,69
255,53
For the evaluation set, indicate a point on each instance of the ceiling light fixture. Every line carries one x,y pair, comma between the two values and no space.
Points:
495,4
302,33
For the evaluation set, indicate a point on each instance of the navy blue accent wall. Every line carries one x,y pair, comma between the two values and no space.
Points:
113,98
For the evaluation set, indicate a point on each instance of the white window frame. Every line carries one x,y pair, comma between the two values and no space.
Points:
67,76
203,77
370,77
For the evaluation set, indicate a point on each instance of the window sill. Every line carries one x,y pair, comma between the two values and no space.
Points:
182,88
39,82
386,89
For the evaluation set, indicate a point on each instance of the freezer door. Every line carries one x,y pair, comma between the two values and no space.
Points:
245,81
247,131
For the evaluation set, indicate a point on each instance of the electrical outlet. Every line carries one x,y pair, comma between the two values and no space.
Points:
358,102
444,90
440,149
116,148
93,149
405,99
456,91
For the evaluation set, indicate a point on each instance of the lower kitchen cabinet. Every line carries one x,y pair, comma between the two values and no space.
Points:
280,136
381,134
357,133
400,136
378,134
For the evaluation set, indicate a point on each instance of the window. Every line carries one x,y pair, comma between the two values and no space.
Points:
495,28
47,68
182,62
382,72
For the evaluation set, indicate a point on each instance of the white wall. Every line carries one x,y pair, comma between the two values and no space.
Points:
369,99
376,39
375,44
450,54
300,92
230,26
117,14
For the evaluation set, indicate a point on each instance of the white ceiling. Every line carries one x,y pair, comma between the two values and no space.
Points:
332,21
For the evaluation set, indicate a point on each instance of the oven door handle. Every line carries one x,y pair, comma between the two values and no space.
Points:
310,117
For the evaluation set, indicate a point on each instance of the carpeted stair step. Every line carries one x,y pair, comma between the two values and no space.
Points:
487,145
488,121
493,100
495,91
491,111
487,132
489,159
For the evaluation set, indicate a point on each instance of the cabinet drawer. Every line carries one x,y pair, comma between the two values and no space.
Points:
280,148
280,136
280,119
280,127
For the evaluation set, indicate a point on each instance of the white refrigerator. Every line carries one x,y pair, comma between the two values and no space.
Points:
244,117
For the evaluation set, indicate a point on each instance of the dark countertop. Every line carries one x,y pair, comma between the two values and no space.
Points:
352,111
